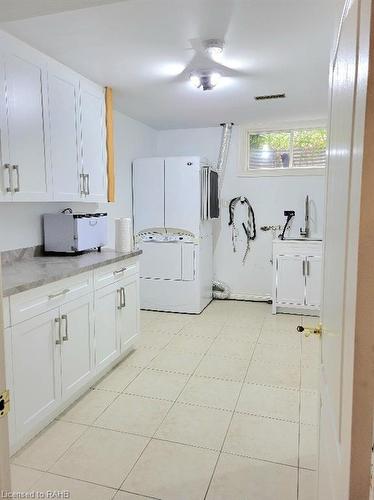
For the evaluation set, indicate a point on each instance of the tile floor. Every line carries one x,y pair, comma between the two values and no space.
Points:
221,406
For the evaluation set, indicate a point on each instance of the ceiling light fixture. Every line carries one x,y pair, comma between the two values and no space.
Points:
206,79
214,48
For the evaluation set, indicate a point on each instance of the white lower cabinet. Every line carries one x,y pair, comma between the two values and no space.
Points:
128,314
297,275
36,365
290,280
313,281
55,355
107,347
76,329
116,319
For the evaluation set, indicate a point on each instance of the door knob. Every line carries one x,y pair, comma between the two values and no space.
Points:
308,330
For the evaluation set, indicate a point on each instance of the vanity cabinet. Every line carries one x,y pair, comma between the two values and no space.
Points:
297,275
64,336
52,129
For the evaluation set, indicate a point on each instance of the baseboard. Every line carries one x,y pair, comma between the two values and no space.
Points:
250,297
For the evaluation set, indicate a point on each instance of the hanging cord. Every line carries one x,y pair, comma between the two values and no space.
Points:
249,227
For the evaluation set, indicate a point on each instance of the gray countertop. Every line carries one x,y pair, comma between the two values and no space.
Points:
29,273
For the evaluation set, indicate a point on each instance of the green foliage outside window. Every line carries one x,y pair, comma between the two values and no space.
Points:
298,148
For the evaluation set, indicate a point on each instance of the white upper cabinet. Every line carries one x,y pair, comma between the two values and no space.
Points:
63,92
92,115
23,125
5,172
149,193
52,129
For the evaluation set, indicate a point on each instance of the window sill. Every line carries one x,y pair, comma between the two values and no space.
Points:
286,172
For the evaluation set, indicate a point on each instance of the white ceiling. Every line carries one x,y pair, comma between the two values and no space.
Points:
11,10
142,47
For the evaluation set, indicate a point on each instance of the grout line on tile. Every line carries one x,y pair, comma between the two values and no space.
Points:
231,419
163,420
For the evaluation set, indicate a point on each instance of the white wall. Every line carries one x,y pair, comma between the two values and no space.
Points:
21,223
269,196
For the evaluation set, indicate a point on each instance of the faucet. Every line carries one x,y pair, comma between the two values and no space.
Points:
306,231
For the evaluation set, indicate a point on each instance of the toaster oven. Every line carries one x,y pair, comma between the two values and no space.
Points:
72,233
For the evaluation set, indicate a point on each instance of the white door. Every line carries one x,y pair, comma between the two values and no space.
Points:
148,192
107,303
290,280
92,103
63,93
76,344
36,370
182,193
348,85
5,173
313,281
26,105
128,318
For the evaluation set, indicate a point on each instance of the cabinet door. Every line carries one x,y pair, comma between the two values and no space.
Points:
5,172
36,370
76,344
161,260
92,113
26,104
290,280
182,193
313,281
148,187
107,302
63,92
128,323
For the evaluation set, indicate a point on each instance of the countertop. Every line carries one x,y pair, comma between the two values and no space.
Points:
28,273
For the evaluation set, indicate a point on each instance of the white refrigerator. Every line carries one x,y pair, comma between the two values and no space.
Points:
174,200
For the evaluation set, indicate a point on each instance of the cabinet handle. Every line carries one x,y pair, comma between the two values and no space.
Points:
123,297
64,318
307,268
120,271
55,295
88,183
9,189
17,189
303,267
119,298
85,187
81,178
58,340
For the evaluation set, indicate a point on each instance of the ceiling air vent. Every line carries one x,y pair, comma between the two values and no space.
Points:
267,97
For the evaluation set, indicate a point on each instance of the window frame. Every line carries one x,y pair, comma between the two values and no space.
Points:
246,130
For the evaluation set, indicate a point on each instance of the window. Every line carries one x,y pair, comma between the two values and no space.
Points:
286,149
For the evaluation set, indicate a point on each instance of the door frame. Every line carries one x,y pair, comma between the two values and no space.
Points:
363,369
4,436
